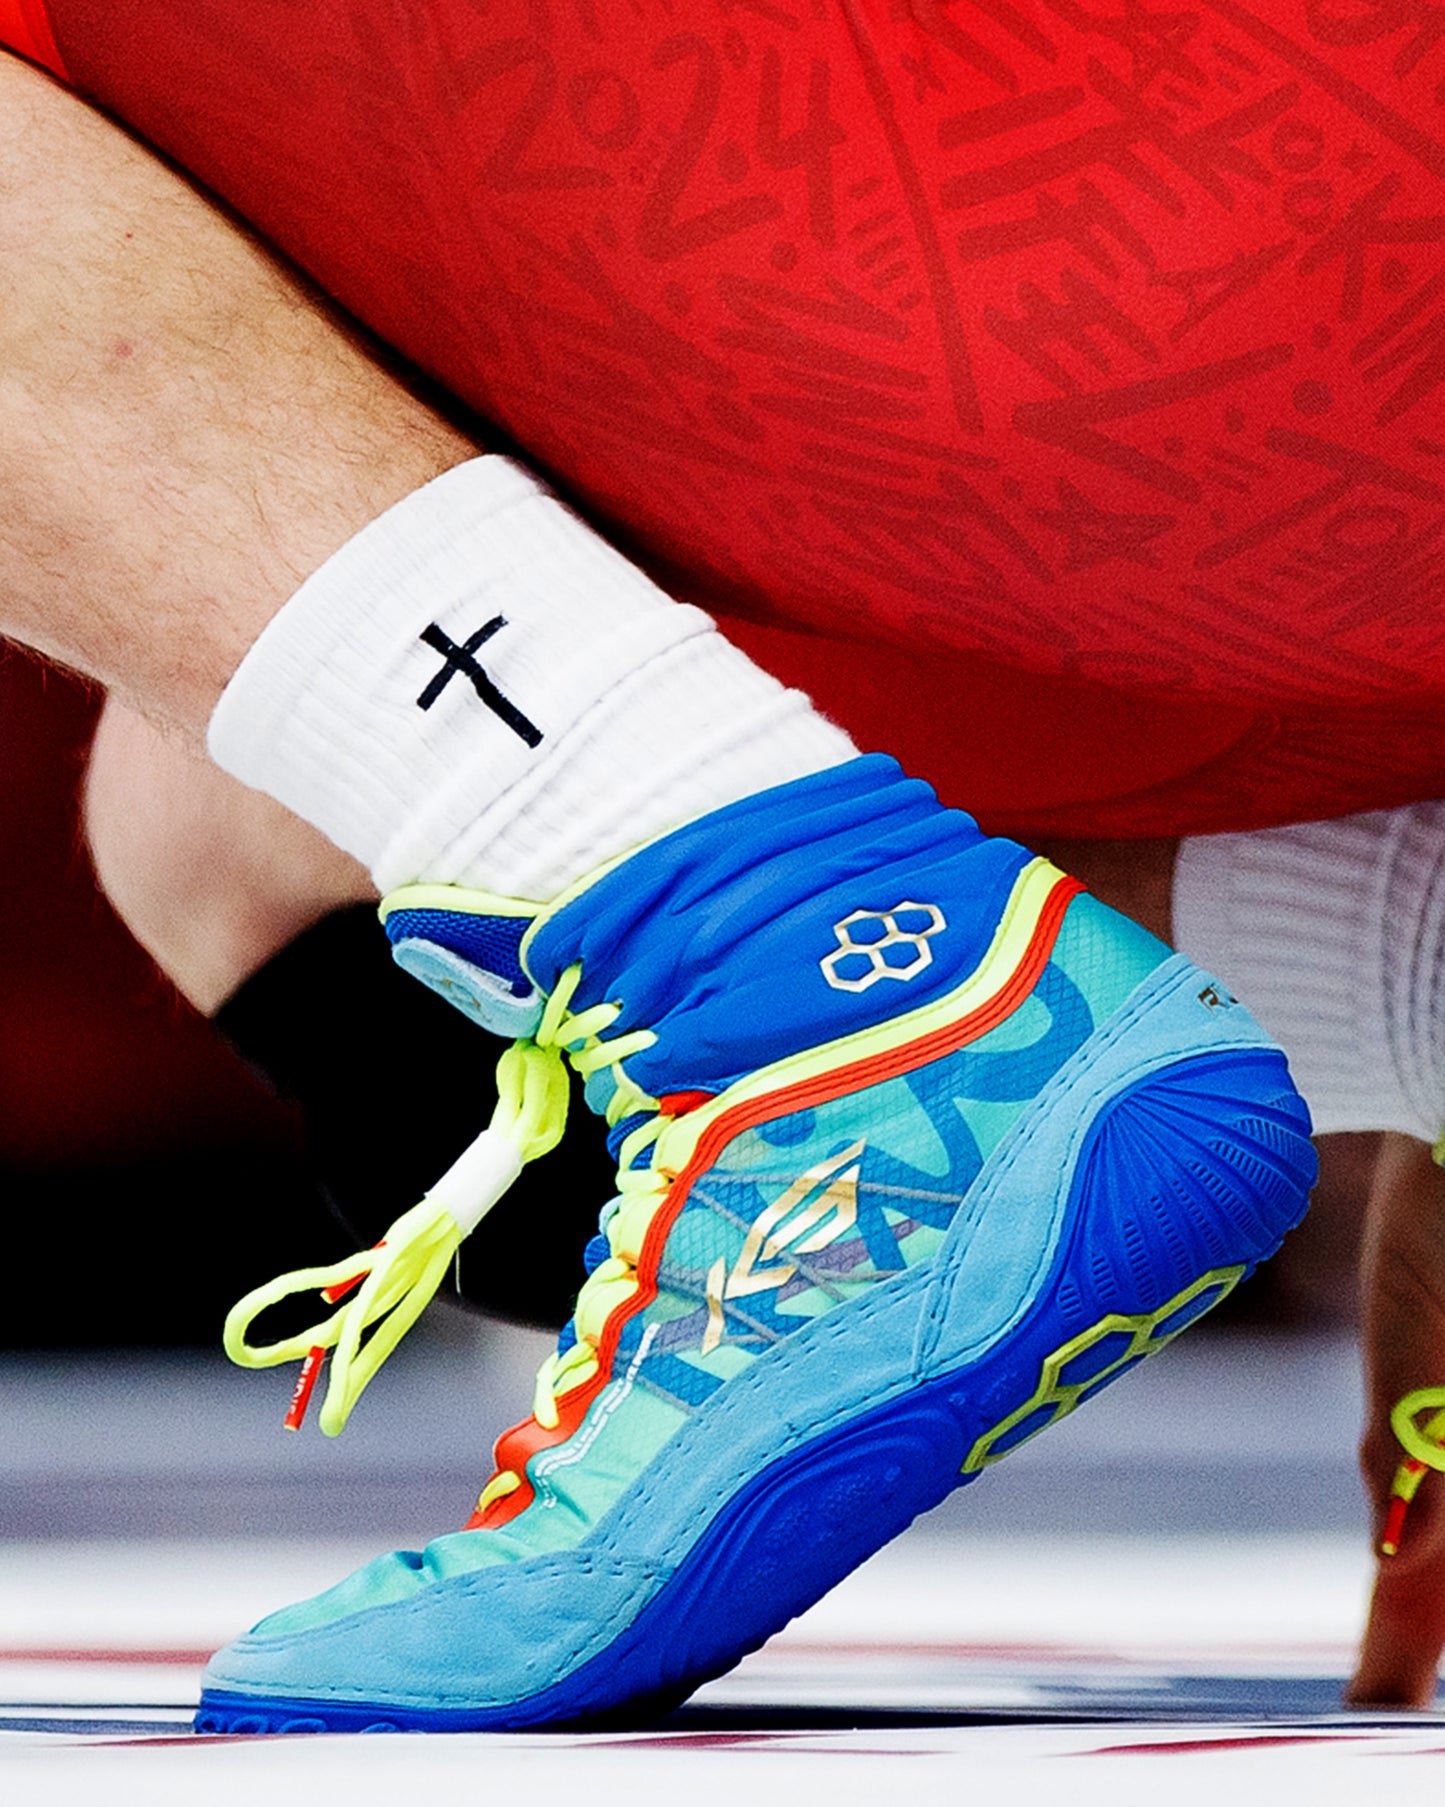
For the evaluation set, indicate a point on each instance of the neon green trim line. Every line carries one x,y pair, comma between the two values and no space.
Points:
1053,1390
465,902
1015,931
396,1280
455,900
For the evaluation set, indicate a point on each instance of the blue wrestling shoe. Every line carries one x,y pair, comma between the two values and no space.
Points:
918,1145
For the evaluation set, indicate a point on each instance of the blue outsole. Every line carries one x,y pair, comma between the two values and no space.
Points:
810,1518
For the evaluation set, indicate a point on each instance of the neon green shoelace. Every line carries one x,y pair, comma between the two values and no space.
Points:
393,1283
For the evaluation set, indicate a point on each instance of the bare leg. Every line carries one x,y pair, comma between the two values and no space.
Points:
185,434
211,878
1404,1341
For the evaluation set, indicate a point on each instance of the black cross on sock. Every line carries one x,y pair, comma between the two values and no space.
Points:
460,659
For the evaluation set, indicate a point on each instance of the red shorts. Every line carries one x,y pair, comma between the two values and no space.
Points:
1055,387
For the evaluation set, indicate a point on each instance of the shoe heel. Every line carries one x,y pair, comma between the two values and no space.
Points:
1189,1178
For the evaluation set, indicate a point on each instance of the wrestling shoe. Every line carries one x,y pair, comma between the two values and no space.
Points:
919,1146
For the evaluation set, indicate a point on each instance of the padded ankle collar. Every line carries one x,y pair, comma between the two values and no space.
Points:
788,920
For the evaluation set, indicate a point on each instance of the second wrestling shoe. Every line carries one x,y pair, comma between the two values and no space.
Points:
919,1146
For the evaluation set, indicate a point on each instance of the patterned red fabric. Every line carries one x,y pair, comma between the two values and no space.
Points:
1056,386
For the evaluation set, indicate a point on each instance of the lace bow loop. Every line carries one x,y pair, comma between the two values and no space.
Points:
401,1274
396,1279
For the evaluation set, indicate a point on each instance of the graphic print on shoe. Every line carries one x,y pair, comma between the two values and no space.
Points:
820,1206
863,1244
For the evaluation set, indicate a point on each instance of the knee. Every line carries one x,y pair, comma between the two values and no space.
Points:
211,878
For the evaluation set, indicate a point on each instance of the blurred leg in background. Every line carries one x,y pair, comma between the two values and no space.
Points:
272,933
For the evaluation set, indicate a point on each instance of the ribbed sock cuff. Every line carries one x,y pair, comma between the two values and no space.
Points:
477,689
1333,933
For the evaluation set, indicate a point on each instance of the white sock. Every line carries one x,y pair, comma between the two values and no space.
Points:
1333,933
595,713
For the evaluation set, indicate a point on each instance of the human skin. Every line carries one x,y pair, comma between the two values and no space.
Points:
211,878
1403,1332
187,430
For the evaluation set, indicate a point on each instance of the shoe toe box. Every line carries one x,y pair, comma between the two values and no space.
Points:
392,1638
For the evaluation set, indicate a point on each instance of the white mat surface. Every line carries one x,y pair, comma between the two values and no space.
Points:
1158,1601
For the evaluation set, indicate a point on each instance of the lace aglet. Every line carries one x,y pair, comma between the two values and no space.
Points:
334,1294
305,1386
1394,1525
1407,1479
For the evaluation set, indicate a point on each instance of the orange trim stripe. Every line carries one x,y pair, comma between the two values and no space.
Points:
25,26
516,1447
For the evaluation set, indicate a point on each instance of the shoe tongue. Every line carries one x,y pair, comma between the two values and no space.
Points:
473,960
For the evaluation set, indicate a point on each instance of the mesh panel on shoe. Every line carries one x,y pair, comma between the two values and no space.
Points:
803,1213
491,942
